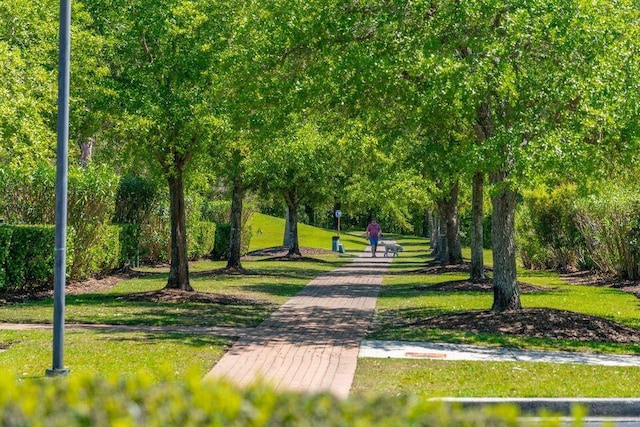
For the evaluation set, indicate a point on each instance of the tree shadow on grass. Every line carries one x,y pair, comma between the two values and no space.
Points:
274,271
276,289
151,308
196,340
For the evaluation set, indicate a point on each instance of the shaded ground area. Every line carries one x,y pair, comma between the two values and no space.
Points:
95,285
485,285
280,253
180,296
588,278
528,322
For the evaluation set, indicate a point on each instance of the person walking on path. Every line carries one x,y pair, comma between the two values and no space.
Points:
374,231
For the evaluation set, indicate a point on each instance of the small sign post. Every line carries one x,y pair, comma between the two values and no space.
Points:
338,215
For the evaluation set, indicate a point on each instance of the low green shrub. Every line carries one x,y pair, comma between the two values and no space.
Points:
135,199
129,244
27,195
154,240
92,193
222,242
29,264
201,238
223,236
137,401
103,255
548,236
216,211
610,224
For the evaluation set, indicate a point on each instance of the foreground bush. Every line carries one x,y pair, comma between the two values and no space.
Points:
85,401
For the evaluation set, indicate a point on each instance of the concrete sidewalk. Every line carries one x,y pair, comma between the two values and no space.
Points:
311,343
452,352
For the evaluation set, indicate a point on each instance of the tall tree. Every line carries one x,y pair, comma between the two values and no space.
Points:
162,57
531,63
299,167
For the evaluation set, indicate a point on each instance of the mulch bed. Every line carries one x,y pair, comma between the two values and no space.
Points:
279,253
535,322
485,285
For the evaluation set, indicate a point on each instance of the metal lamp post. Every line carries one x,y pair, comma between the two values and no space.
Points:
64,58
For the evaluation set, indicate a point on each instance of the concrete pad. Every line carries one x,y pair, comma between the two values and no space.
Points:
453,352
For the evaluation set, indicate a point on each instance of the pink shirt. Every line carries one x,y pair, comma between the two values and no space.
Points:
373,230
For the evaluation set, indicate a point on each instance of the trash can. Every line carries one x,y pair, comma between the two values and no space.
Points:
335,241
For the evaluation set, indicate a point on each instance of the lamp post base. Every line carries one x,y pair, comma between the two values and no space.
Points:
62,372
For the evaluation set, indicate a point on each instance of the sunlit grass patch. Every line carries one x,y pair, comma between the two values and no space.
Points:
434,378
28,353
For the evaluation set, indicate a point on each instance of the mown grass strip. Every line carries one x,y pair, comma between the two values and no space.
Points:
27,354
435,378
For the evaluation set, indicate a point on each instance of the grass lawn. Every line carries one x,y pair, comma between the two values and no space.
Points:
436,378
251,299
256,296
163,355
405,296
268,232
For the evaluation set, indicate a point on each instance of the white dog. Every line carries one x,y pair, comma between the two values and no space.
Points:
392,248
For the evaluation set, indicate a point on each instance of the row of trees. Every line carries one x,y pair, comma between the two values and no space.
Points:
378,105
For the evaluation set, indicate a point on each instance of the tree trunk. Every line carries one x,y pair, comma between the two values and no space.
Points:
435,230
235,239
286,240
427,225
450,205
506,292
441,251
311,214
477,254
179,269
294,248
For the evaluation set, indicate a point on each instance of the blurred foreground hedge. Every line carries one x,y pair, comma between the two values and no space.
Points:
138,401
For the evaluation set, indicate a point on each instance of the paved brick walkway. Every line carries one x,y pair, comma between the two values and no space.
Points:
311,343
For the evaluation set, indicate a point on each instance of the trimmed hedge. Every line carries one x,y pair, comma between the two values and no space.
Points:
103,255
28,261
136,401
5,241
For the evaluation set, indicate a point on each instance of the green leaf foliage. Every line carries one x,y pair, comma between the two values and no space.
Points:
137,401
